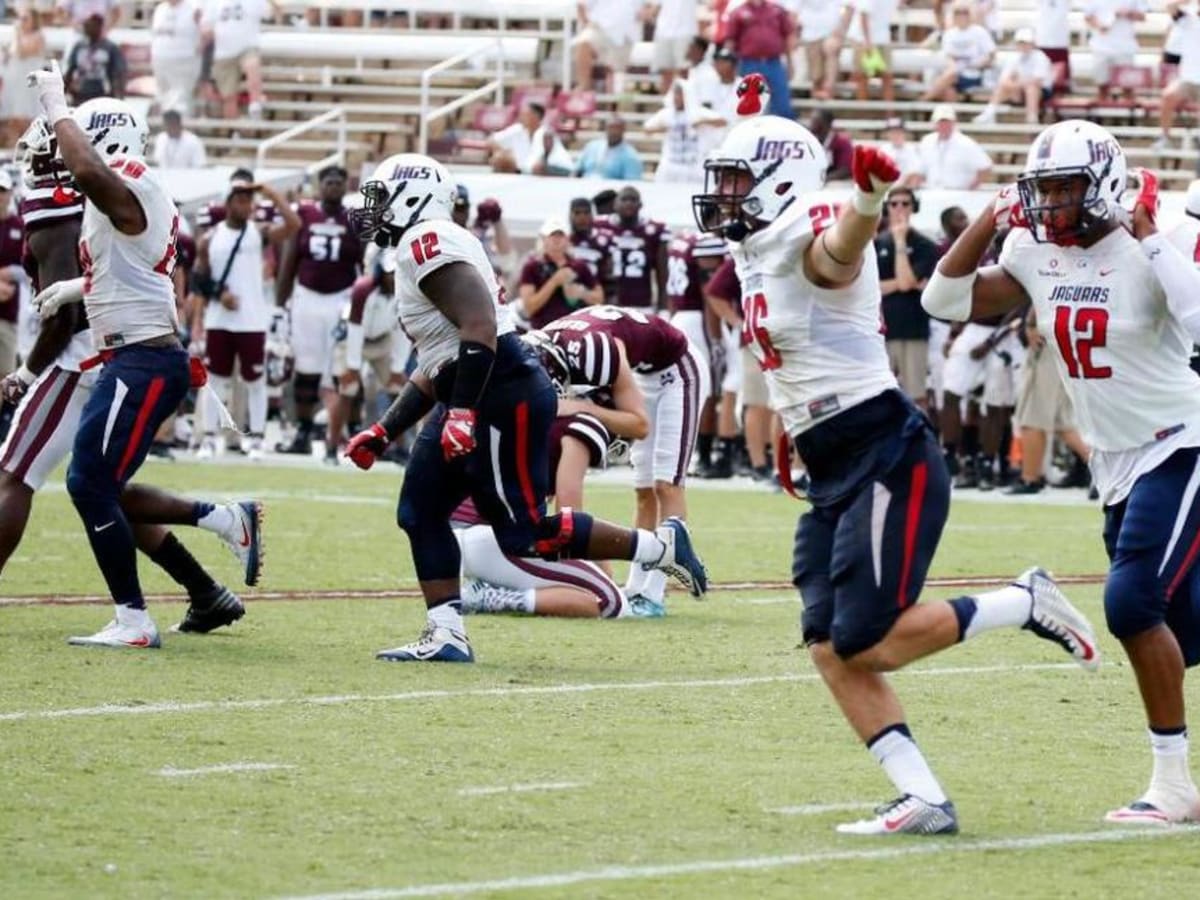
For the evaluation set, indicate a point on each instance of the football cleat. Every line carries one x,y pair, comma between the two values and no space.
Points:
210,611
484,597
1054,618
907,815
245,537
115,634
1157,809
436,644
642,607
679,559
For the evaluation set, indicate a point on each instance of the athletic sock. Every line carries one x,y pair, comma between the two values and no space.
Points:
654,587
217,519
448,614
903,763
1007,607
704,446
647,547
132,616
636,581
174,559
1170,749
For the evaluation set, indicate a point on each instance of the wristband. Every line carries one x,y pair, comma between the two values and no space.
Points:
869,205
25,376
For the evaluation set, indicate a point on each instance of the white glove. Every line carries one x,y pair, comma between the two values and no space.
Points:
1007,209
14,385
50,300
51,94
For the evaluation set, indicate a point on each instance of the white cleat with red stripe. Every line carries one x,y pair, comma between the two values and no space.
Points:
1158,808
1054,618
131,628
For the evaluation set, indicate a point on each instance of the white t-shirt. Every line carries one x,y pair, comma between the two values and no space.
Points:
821,349
1051,28
236,25
434,336
1120,39
183,152
618,19
818,18
1034,65
968,48
245,280
879,14
128,292
676,19
174,31
528,150
1122,356
952,164
680,158
1187,27
907,158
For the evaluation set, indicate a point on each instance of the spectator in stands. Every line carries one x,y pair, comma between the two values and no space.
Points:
718,95
679,122
77,12
906,259
675,27
95,65
25,53
967,50
818,23
839,149
870,33
611,156
1185,87
897,146
1027,78
552,284
234,28
761,33
949,159
1112,41
521,147
1053,33
607,30
175,147
175,53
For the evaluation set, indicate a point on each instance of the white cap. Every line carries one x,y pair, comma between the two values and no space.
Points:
943,112
6,182
1191,204
550,226
1023,36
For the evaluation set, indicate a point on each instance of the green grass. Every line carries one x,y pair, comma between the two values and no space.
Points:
668,773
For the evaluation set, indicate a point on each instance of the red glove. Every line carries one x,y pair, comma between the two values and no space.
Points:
754,96
488,211
874,172
1007,209
1145,183
368,444
458,433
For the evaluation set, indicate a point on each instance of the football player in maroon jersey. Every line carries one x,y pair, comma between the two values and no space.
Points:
637,253
589,243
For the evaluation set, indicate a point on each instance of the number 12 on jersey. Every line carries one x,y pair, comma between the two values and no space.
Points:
754,311
1078,332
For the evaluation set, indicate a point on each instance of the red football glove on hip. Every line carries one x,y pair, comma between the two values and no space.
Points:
458,433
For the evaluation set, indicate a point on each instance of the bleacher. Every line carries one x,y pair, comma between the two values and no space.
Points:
372,59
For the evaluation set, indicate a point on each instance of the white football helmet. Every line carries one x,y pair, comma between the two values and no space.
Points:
37,156
1074,148
113,126
407,188
763,166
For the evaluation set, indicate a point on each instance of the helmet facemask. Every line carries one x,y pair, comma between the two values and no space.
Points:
1091,213
374,219
726,207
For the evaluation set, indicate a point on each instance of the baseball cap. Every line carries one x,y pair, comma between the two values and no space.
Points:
943,112
550,226
461,196
893,122
6,182
724,53
1024,36
1191,203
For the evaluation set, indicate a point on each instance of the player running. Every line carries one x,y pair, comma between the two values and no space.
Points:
879,487
489,438
1124,307
127,253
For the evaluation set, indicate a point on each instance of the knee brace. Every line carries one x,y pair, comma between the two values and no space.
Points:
565,535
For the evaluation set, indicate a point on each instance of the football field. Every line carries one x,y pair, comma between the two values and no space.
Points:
695,756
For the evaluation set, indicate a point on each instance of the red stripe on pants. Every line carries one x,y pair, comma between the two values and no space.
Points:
1185,566
523,461
139,426
912,523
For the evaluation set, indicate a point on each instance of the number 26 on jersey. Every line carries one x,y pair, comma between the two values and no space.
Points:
754,331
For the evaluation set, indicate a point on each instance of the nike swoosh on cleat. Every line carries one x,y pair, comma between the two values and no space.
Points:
897,824
1089,652
245,542
143,641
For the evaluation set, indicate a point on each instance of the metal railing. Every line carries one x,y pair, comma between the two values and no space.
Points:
319,123
495,87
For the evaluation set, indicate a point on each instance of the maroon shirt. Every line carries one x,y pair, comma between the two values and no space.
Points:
724,285
758,30
685,276
840,150
329,249
633,258
592,247
590,337
12,245
537,271
214,213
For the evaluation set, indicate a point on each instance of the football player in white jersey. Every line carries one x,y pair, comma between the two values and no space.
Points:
127,254
1123,306
50,391
879,487
489,439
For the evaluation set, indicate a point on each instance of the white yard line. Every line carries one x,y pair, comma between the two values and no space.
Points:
225,769
521,788
146,709
816,809
753,863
